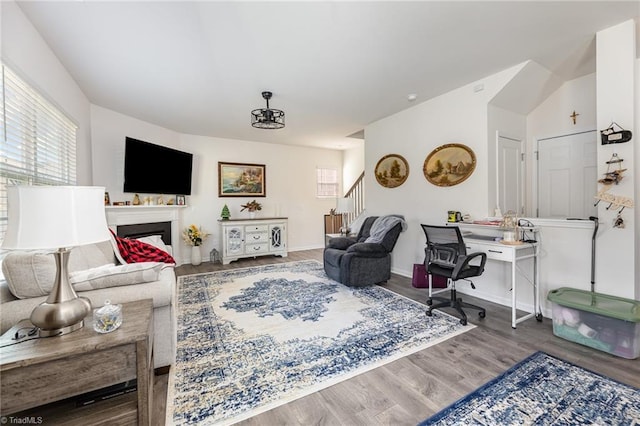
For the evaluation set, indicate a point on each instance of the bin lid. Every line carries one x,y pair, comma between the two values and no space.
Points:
603,304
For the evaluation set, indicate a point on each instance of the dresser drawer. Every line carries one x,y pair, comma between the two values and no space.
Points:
252,238
256,248
256,228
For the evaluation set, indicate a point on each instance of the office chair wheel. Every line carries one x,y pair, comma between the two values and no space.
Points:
428,312
539,317
429,302
463,321
482,314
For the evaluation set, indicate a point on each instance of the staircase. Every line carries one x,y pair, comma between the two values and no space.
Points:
356,192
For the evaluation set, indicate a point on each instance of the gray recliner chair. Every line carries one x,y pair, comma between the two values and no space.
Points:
354,261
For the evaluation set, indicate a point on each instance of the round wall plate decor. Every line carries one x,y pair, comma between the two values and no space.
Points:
392,170
449,164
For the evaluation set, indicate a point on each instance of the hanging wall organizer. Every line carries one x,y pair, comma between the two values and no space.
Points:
610,135
613,175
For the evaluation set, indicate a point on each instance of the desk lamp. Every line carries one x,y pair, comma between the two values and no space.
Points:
345,206
56,217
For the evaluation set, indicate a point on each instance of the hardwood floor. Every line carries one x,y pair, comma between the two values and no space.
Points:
409,390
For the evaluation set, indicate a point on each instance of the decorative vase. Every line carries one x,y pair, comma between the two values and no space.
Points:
196,256
252,215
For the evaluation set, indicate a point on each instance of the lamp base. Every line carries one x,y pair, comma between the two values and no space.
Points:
344,229
61,331
55,319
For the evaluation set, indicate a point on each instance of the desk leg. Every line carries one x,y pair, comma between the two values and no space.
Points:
536,288
513,293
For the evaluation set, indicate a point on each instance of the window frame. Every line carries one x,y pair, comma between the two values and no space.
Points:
39,141
324,181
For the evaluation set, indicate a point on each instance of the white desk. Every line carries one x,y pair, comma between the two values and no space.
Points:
511,253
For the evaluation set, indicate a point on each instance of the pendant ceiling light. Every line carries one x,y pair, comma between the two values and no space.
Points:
267,118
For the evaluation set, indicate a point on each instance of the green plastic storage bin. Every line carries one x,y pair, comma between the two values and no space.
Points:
608,323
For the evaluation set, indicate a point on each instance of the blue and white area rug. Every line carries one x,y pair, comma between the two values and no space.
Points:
252,339
544,390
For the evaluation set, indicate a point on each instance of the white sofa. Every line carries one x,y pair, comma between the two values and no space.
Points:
28,278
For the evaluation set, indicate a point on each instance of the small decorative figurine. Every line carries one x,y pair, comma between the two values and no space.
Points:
225,215
136,200
160,201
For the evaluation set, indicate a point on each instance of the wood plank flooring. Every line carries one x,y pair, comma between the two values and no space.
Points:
409,390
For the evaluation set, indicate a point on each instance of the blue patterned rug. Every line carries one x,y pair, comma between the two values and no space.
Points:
544,390
252,339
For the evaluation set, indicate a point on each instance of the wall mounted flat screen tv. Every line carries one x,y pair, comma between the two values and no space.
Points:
155,169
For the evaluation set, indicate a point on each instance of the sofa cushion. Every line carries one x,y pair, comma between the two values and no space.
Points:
31,274
115,275
341,243
367,248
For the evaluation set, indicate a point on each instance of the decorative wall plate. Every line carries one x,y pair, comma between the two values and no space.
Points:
449,164
392,170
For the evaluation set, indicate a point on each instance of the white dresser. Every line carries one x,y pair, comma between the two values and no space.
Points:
253,237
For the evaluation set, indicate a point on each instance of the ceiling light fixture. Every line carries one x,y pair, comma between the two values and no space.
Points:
267,118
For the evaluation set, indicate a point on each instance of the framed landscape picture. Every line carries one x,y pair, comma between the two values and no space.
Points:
241,180
449,164
392,170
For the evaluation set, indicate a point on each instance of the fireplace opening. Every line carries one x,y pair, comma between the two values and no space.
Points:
140,230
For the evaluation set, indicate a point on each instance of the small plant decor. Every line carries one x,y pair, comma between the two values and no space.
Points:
194,236
225,214
252,206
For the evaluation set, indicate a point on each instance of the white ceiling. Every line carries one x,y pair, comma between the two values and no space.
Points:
333,67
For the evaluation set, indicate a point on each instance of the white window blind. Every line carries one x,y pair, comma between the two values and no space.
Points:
38,141
327,183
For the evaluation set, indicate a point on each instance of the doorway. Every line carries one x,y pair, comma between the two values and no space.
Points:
510,188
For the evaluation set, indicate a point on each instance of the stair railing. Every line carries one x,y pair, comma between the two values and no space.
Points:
356,192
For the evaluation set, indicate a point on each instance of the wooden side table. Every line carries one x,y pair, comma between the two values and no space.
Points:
42,371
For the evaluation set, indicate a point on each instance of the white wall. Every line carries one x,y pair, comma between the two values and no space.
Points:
637,176
458,116
290,186
353,166
615,79
466,117
25,51
290,177
108,132
551,118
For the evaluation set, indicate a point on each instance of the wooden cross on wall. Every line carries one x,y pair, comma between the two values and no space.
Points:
574,116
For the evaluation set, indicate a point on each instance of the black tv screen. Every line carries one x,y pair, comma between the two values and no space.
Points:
155,169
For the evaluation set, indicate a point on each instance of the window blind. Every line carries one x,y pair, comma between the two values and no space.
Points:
38,141
327,183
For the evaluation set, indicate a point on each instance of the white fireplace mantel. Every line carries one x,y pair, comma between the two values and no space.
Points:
131,215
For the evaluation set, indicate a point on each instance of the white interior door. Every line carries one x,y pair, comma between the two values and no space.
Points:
510,174
567,175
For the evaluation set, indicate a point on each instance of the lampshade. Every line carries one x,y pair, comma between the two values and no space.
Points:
50,217
57,217
267,118
344,205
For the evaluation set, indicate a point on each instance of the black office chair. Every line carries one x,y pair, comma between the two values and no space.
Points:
446,256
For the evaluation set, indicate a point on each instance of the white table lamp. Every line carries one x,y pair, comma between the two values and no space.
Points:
56,217
345,206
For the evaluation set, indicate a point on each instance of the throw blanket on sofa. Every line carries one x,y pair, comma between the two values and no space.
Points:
133,251
382,225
